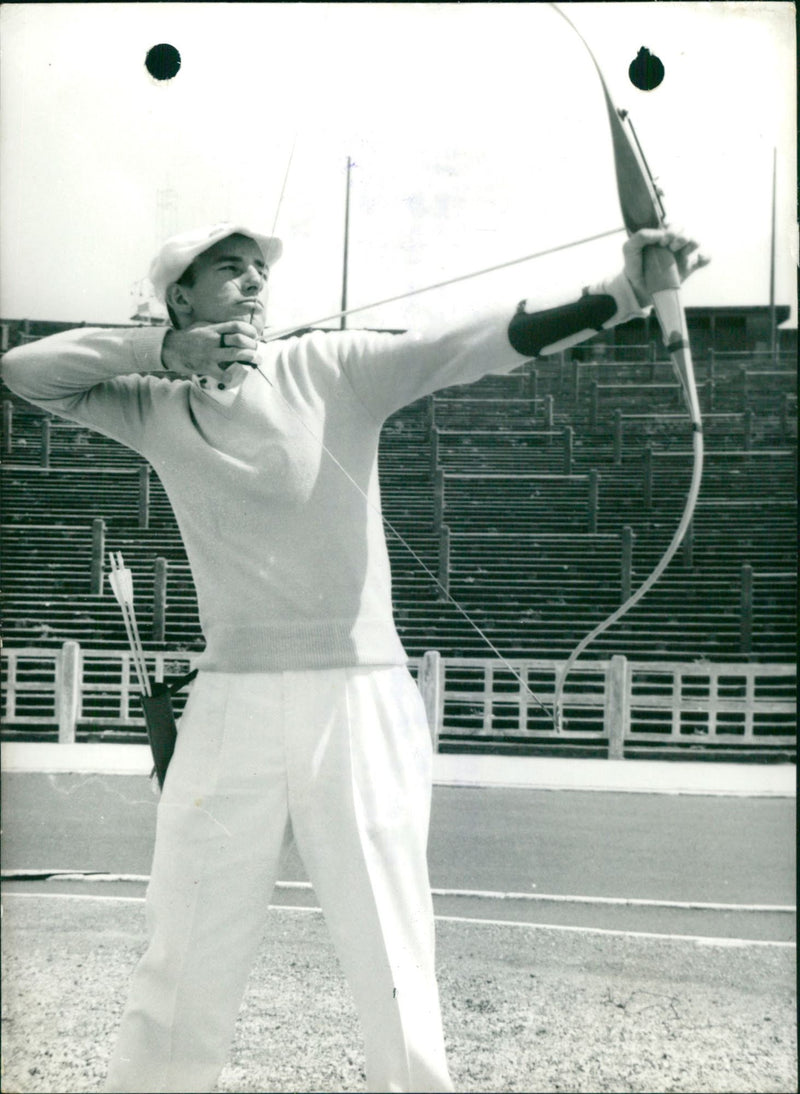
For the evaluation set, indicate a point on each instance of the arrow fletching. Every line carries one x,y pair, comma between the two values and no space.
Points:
121,579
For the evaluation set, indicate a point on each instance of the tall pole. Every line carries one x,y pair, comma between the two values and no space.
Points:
343,320
772,316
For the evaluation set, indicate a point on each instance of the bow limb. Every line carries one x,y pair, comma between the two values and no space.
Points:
641,207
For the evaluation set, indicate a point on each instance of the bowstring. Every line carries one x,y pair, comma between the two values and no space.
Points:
283,187
414,554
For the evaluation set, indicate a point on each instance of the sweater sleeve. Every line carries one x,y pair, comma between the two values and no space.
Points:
95,376
389,371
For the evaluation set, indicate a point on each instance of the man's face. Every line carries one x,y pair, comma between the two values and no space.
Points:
230,283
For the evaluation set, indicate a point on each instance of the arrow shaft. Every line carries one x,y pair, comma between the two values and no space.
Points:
284,331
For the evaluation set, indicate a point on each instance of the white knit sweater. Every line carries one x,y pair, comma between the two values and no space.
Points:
288,555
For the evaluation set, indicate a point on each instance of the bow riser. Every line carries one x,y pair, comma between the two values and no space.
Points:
663,283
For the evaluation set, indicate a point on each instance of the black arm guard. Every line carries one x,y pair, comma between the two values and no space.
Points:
531,332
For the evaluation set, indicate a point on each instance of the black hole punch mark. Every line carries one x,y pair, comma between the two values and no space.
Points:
647,71
163,61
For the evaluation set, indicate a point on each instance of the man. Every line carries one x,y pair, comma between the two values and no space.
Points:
303,719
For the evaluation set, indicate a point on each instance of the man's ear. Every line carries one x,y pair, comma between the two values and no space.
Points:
179,300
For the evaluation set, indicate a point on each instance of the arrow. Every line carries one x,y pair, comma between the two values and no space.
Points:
121,582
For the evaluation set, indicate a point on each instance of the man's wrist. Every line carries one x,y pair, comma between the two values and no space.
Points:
172,358
629,304
146,346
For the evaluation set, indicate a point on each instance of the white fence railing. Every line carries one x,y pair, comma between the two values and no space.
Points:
614,705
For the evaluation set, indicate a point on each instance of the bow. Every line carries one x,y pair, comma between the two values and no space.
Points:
641,207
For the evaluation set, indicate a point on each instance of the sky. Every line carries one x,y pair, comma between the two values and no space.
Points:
477,132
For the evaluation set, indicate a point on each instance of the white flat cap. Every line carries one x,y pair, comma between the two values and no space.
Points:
178,253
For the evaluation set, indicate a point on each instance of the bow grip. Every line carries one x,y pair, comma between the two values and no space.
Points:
660,269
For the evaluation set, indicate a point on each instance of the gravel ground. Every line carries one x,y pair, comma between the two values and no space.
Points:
524,1010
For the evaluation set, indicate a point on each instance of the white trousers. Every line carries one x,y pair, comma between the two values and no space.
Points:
342,759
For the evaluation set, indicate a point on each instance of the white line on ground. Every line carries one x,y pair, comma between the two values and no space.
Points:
473,894
75,896
628,902
700,940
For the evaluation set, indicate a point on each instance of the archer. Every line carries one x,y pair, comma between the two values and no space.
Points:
303,720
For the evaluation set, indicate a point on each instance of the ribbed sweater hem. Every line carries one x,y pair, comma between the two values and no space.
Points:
296,647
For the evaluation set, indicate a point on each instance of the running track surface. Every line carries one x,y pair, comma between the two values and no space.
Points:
595,851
